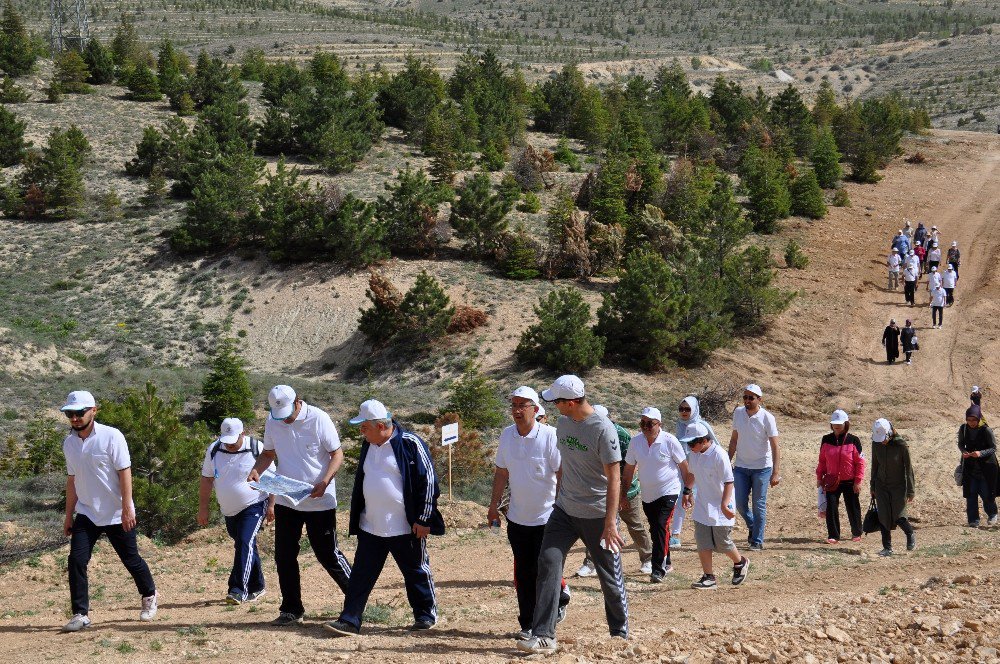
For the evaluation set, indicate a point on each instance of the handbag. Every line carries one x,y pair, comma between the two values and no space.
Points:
914,344
871,523
958,474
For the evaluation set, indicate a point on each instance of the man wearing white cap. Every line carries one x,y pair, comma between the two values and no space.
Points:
933,279
948,281
954,256
663,467
528,460
909,285
228,461
753,450
393,510
938,299
934,255
99,491
894,261
304,441
586,508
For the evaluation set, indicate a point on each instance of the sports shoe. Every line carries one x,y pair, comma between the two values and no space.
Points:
256,595
561,614
285,619
885,553
754,546
992,521
830,540
675,542
911,541
740,571
148,611
76,623
234,599
538,645
586,570
646,567
707,582
973,524
656,578
522,635
340,628
420,626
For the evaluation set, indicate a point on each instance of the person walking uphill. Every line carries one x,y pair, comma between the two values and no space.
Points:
908,338
980,471
938,299
304,441
893,264
892,484
393,510
586,508
99,491
910,285
954,256
753,450
840,472
688,414
948,282
890,339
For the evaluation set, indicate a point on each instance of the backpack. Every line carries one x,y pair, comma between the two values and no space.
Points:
255,448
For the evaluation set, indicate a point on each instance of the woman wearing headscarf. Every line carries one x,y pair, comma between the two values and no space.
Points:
688,414
908,337
920,234
977,400
890,339
980,472
892,484
840,472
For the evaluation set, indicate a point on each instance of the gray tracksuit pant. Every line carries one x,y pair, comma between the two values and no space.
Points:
561,533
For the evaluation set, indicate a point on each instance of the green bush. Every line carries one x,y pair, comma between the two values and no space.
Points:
476,399
100,63
530,203
479,216
520,260
794,257
226,390
750,296
11,92
71,73
12,143
409,213
807,197
840,198
143,84
765,182
562,339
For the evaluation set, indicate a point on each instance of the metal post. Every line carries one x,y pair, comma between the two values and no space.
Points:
450,497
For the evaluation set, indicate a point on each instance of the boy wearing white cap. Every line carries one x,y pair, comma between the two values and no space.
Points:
586,507
304,442
228,461
663,467
754,453
393,510
99,491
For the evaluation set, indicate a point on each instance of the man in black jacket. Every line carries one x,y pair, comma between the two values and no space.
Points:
393,510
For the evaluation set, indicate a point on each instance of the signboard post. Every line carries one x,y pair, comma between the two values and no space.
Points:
449,436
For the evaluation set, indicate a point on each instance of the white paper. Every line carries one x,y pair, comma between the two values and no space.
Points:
279,485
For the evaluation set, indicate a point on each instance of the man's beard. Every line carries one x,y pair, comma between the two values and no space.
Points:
79,427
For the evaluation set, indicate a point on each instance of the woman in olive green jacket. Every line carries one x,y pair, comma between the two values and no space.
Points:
892,483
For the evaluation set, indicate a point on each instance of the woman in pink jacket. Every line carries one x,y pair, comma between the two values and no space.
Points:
840,472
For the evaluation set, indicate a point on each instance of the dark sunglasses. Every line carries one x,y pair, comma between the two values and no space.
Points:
646,424
71,414
683,409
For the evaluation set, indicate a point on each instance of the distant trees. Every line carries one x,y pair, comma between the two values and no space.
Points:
51,183
17,51
12,143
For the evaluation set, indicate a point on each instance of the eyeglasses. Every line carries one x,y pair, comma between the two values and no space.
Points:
73,414
523,406
683,409
646,424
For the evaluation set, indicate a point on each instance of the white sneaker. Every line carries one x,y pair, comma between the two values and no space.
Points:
538,645
646,567
76,623
992,521
586,570
148,611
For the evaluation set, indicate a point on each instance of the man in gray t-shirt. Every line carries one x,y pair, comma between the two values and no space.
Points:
586,508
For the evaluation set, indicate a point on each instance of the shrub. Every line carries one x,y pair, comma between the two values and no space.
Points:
520,256
17,52
530,203
476,399
11,92
226,391
409,213
109,206
794,257
826,159
71,73
99,62
378,322
143,85
12,143
840,198
807,197
750,297
253,65
466,319
562,339
765,182
479,215
564,155
424,313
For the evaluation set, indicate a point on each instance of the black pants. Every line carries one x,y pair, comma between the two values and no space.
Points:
903,524
659,513
949,295
908,354
81,547
976,488
909,291
851,503
321,527
937,315
526,544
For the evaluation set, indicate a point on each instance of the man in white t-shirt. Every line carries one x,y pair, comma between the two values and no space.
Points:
713,513
662,465
894,261
304,441
99,491
228,461
528,460
754,453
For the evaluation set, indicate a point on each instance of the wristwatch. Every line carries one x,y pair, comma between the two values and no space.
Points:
687,491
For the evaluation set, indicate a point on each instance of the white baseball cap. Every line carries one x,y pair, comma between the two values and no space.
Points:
934,268
564,387
371,410
954,243
934,244
755,388
975,388
540,412
895,249
281,398
652,413
880,430
839,417
950,266
526,392
601,410
79,400
696,431
230,430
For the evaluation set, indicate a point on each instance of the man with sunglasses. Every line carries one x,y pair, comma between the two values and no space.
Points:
303,441
99,491
753,451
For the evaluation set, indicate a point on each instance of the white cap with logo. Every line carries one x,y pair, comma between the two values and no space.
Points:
282,401
696,431
754,389
79,400
230,430
839,417
564,387
525,392
652,413
371,410
880,430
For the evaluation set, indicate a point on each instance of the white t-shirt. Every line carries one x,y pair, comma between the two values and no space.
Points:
933,280
303,448
938,297
658,472
384,514
711,472
894,261
532,462
948,279
934,255
909,274
230,470
94,464
753,450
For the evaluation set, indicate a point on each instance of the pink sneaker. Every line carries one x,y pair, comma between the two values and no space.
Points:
856,539
830,540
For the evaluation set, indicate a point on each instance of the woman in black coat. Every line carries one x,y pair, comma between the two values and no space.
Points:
908,337
890,339
980,471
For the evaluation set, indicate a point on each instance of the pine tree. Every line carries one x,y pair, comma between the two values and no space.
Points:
172,68
562,339
826,159
17,52
100,63
380,321
791,115
424,313
825,109
705,325
409,213
253,65
765,182
479,215
476,399
71,73
126,49
409,98
607,204
725,226
143,85
226,391
807,197
149,152
11,92
213,81
12,143
520,260
751,300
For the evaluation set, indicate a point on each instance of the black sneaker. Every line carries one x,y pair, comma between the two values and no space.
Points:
655,578
707,582
740,571
754,546
420,626
341,628
911,541
256,595
285,619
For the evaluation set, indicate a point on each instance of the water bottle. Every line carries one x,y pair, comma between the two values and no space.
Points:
495,527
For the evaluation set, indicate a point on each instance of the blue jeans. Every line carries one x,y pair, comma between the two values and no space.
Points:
757,481
247,576
978,489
